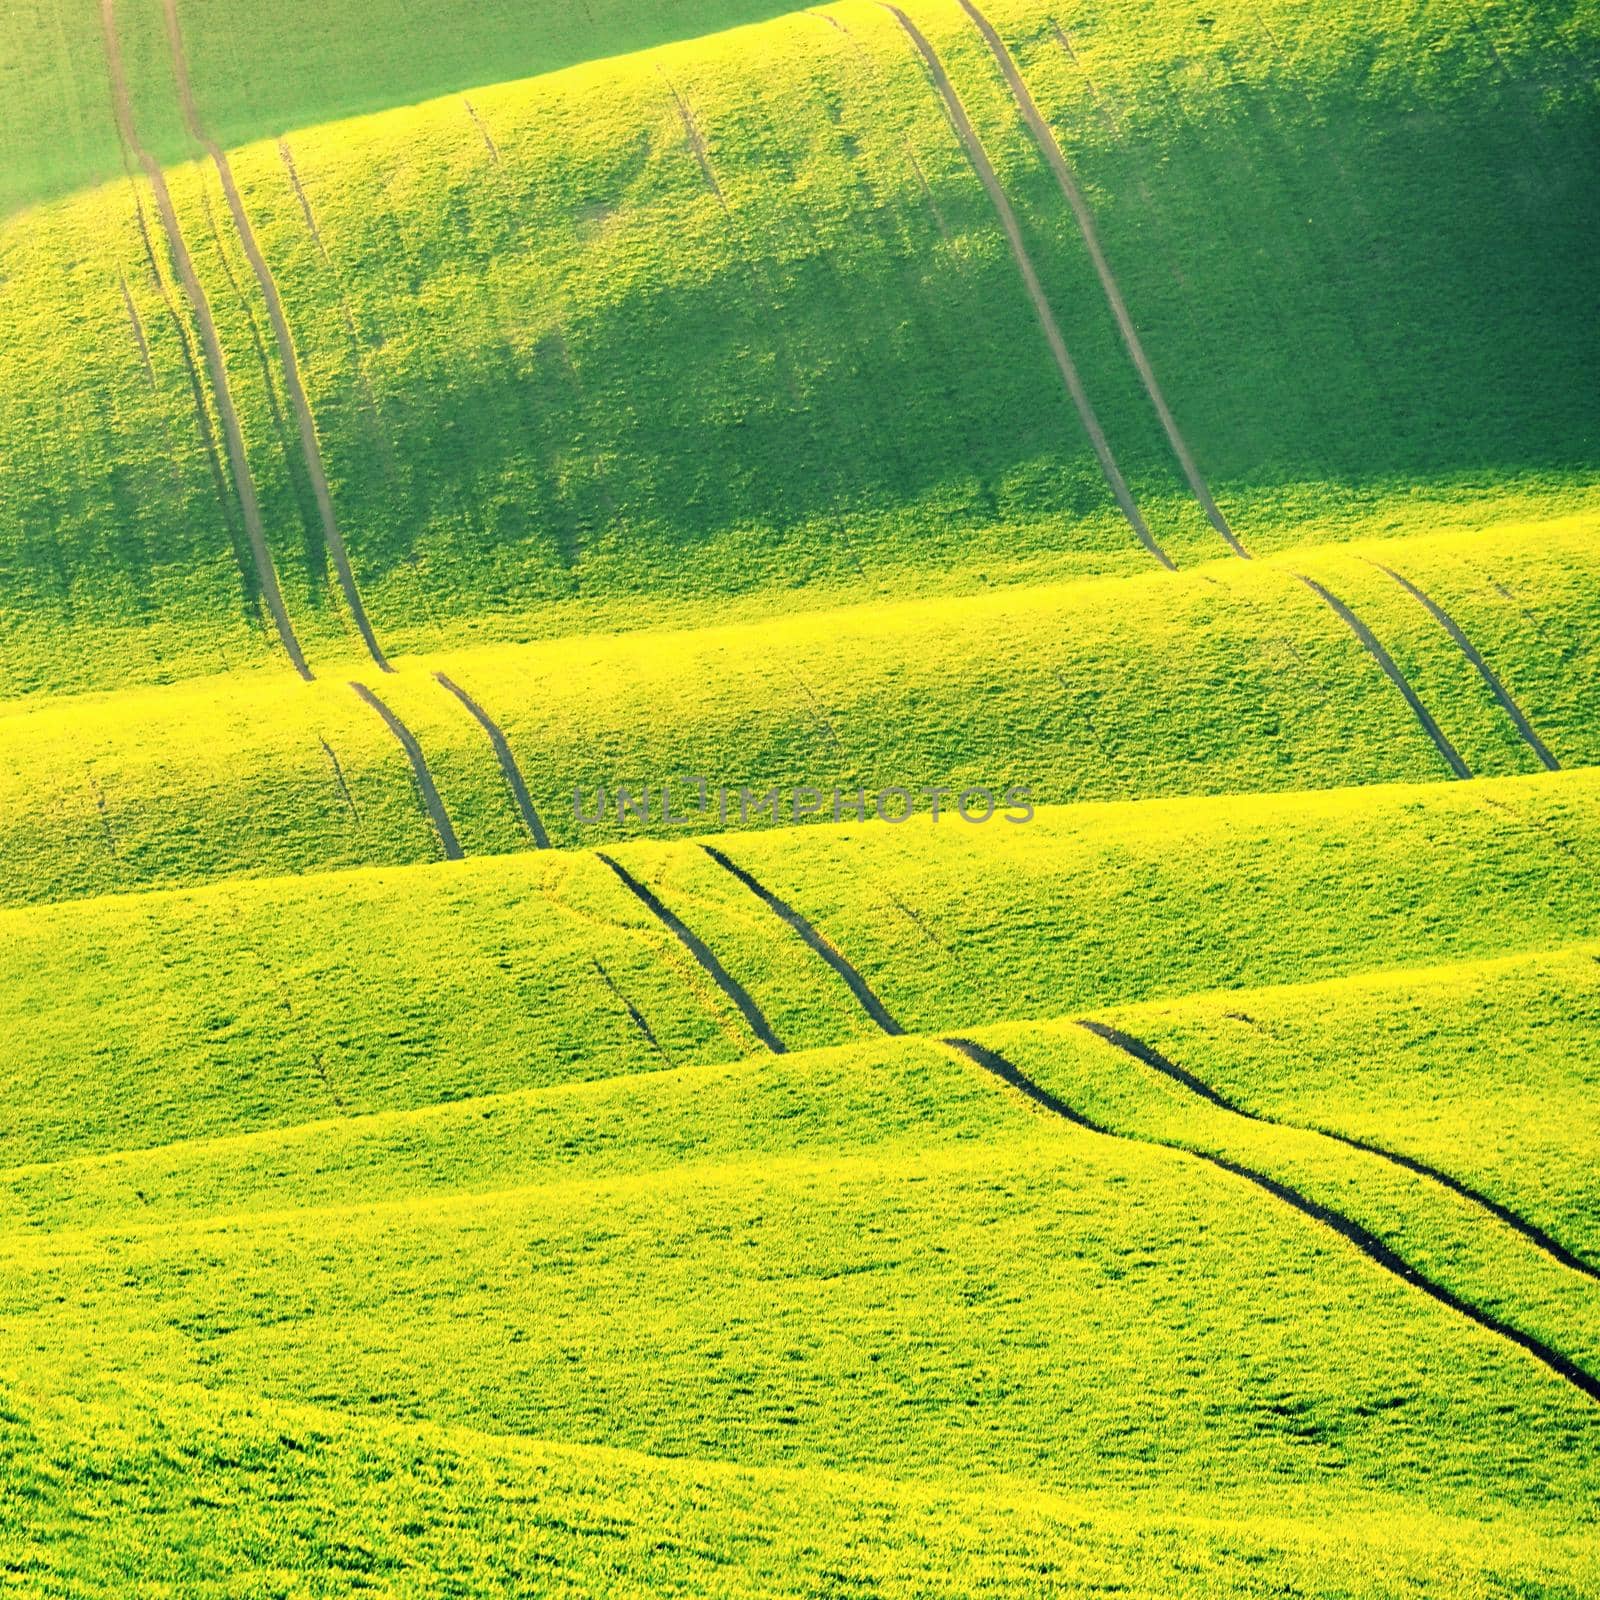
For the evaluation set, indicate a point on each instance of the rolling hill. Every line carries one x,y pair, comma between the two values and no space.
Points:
800,801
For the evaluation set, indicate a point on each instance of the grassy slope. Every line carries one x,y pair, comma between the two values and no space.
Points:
60,134
1020,1252
256,1005
265,1140
1309,1054
557,390
207,1490
1085,692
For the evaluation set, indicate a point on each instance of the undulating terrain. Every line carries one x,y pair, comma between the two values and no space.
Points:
800,802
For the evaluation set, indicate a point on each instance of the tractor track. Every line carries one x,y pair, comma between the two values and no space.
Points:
702,953
979,158
1531,1231
1347,1228
211,345
1392,672
137,328
208,437
426,787
278,317
1050,147
635,1015
508,762
1475,658
857,985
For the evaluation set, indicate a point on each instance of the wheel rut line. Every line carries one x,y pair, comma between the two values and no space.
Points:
503,754
1150,1057
210,344
431,803
967,134
288,358
1347,1228
702,953
483,131
1475,658
137,328
697,140
1391,670
634,1014
197,394
857,985
1050,147
339,778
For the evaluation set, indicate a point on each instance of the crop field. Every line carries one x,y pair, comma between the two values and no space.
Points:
800,802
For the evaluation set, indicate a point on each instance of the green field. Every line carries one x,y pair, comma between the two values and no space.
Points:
800,803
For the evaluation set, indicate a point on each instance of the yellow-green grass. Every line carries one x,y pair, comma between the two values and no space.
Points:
1050,1305
572,389
142,1019
205,1491
1060,1314
1518,1131
61,135
1481,1069
1232,678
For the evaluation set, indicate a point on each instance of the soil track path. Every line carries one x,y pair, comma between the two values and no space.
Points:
1391,671
981,164
857,985
210,344
1484,670
285,341
1152,1058
1347,1228
702,952
1050,147
429,790
508,762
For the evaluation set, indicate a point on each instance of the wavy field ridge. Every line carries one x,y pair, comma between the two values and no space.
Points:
799,802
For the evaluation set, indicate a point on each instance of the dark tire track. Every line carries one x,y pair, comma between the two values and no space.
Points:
431,803
338,773
488,138
211,346
242,555
1347,1228
979,157
697,141
1050,147
280,327
137,328
702,953
634,1014
857,985
1391,671
1484,670
1531,1231
508,762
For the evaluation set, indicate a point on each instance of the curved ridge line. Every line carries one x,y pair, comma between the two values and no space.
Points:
1133,1046
210,344
285,341
508,762
431,802
1347,1228
1475,657
979,157
702,953
1050,147
1392,672
857,985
